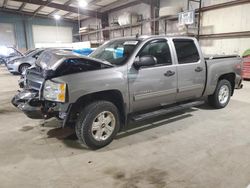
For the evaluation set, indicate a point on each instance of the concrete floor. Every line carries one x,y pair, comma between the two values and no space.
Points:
201,147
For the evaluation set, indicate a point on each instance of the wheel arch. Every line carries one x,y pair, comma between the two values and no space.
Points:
231,78
19,67
114,96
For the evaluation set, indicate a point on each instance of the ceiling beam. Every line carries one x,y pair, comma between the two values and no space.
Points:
55,11
21,13
5,3
63,7
146,1
225,5
68,14
22,6
69,2
40,8
116,6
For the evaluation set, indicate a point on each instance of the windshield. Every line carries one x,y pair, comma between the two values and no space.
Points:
116,52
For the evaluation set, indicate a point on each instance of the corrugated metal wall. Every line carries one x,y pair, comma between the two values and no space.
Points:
224,20
23,28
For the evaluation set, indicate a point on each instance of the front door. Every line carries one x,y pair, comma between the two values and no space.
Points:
156,85
191,70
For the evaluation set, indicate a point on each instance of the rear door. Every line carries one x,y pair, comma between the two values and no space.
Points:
191,70
155,85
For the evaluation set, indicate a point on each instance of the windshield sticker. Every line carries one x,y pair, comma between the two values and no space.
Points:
130,43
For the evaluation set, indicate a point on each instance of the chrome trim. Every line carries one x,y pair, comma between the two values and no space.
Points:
154,94
192,87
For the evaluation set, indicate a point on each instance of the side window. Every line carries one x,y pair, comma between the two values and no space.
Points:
186,51
160,50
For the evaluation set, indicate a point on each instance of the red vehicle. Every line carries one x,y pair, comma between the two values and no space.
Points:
246,67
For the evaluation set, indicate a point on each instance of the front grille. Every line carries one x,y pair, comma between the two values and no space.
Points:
33,85
34,79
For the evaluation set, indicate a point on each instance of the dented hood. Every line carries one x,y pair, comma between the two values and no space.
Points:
52,59
54,63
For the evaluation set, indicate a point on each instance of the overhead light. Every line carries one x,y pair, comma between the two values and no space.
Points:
82,3
57,17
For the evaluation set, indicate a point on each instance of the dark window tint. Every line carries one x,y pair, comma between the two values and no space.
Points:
160,50
186,51
71,66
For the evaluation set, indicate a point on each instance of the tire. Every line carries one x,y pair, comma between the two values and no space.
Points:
103,133
23,67
222,95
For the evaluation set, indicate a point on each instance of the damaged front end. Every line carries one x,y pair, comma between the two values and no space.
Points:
28,100
42,95
29,103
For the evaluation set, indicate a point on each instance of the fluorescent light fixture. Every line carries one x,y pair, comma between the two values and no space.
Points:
82,3
57,17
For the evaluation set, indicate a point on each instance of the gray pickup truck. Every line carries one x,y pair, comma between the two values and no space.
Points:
127,79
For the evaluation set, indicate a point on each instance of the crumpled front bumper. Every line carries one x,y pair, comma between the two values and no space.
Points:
28,102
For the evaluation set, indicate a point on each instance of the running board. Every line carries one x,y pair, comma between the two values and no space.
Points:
160,112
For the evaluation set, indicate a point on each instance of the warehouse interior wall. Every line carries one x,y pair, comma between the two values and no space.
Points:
7,34
93,23
224,20
23,28
231,19
140,9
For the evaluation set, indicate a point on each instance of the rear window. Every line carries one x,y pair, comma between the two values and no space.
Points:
186,51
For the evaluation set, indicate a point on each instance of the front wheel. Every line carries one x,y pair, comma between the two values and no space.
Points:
23,68
97,124
222,94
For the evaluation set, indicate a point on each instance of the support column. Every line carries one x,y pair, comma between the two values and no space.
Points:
105,23
154,10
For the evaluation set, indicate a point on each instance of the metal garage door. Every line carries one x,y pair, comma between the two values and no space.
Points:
7,35
51,34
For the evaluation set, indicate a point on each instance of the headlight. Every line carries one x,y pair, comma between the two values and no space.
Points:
53,91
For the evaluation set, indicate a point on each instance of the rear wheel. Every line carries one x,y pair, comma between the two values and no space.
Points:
23,68
222,94
97,125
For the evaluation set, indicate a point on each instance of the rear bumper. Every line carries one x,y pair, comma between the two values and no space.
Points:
238,82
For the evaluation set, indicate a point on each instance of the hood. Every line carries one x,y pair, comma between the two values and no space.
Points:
52,59
14,58
55,63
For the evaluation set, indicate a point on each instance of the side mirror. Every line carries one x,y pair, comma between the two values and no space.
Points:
145,61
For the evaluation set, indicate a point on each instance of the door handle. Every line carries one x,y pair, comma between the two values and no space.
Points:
169,73
198,69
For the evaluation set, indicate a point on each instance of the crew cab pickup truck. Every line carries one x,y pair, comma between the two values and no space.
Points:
127,79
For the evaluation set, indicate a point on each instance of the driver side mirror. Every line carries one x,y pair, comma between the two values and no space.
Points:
145,61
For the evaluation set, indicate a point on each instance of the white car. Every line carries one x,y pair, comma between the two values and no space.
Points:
19,65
